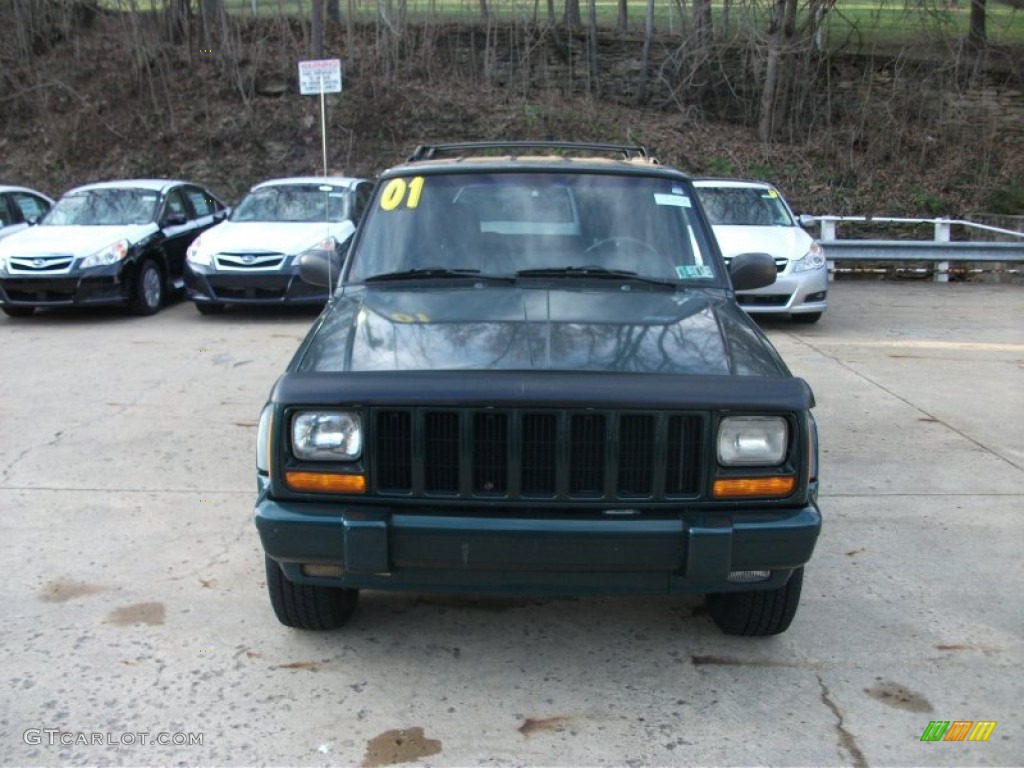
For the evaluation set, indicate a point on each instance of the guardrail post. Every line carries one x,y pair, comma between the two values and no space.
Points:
828,229
942,230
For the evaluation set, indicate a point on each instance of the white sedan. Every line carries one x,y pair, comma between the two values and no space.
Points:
253,256
751,216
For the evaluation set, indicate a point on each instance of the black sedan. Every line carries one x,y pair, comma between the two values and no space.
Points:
115,242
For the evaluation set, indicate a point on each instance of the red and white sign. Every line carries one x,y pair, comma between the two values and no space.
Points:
318,76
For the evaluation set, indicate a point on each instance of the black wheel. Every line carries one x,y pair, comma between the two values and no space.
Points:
807,317
757,613
209,309
14,311
308,607
148,291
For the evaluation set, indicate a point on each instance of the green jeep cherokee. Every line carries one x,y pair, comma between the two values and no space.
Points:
533,378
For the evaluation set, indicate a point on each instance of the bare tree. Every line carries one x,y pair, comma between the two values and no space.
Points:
334,10
592,42
766,111
209,14
317,28
645,54
976,37
572,13
621,19
485,12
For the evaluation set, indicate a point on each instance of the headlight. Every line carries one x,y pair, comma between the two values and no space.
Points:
813,259
112,254
749,440
196,256
263,439
327,435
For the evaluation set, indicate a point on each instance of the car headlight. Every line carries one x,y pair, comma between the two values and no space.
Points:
196,256
327,435
813,259
263,435
112,254
750,440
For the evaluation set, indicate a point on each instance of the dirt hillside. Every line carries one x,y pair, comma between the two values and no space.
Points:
102,100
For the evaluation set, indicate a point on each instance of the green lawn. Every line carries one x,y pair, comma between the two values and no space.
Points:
855,22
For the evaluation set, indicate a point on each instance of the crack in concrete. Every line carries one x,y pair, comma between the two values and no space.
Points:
906,402
846,740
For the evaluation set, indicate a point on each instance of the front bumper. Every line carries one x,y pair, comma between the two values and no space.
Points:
209,286
792,293
95,287
391,548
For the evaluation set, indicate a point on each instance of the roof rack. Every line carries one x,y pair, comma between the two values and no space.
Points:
627,151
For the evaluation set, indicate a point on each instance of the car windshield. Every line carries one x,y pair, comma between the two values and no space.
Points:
555,225
104,207
293,203
745,206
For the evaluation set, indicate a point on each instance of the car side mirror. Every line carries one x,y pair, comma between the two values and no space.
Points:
321,268
221,214
752,270
174,220
807,220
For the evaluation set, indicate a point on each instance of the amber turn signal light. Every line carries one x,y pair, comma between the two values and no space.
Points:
750,487
325,482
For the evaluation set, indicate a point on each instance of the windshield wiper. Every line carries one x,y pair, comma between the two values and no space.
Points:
434,273
602,273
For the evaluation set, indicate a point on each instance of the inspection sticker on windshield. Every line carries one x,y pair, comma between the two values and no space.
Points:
679,201
690,272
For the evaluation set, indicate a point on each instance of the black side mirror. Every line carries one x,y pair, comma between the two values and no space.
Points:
752,270
321,268
174,220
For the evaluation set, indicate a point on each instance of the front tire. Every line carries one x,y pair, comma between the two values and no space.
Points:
306,606
757,613
16,311
148,291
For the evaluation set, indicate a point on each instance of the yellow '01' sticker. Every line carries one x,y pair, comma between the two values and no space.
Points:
399,190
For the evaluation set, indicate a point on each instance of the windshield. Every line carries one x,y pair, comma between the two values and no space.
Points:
293,203
104,207
746,206
569,225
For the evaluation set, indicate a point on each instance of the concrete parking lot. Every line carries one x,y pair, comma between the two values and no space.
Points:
135,609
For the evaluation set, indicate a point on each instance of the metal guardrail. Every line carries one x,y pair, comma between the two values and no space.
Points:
941,250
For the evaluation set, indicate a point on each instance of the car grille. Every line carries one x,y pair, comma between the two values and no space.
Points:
757,300
518,454
39,265
249,261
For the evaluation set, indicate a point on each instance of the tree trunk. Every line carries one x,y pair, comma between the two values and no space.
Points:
622,19
766,112
484,11
572,13
334,10
976,36
592,44
317,29
209,11
645,54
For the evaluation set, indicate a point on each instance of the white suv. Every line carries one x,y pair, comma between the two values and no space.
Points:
751,216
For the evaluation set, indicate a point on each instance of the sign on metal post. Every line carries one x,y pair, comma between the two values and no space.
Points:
319,76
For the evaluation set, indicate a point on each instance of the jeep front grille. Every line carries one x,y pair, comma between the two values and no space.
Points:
520,455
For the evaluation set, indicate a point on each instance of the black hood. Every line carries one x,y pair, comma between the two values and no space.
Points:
585,327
